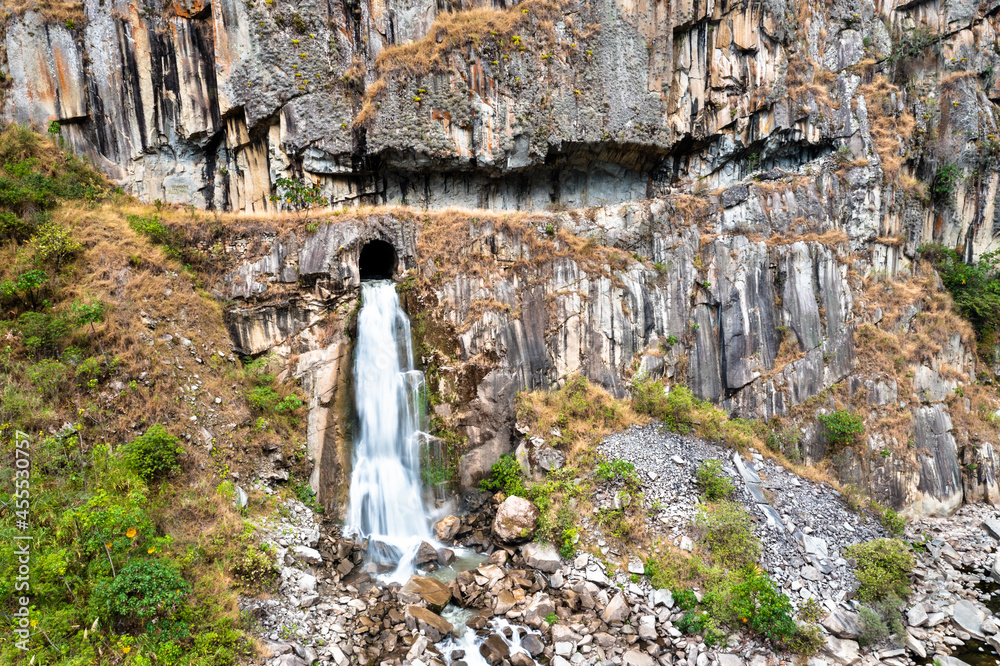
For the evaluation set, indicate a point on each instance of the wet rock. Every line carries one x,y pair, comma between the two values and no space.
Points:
542,557
425,553
433,625
494,649
515,521
521,659
420,588
445,556
446,528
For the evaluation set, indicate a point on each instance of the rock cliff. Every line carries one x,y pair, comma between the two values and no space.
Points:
727,194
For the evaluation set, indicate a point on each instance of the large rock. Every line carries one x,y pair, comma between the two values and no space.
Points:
992,527
538,609
432,592
616,611
541,557
425,553
515,521
637,658
945,660
306,554
433,625
842,624
916,616
730,660
494,649
842,651
970,618
446,528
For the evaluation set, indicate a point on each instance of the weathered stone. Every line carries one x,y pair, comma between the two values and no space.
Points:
726,659
637,658
494,649
433,592
842,624
842,651
617,610
446,528
515,520
433,625
541,557
538,609
306,554
533,645
915,646
425,553
916,615
969,617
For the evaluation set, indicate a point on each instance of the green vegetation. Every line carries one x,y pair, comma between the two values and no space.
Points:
725,528
882,566
294,194
975,289
154,454
713,482
842,427
273,403
943,187
506,477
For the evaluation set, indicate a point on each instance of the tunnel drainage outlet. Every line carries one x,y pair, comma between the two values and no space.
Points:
377,261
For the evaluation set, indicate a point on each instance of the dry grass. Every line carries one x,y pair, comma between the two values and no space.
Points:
889,128
831,238
52,11
455,32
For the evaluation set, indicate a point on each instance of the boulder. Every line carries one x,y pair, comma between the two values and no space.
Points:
969,618
533,644
842,624
515,521
729,660
945,660
433,625
307,555
504,602
494,649
521,659
541,557
842,651
662,597
616,611
637,658
538,609
995,570
916,616
445,556
425,553
446,528
916,646
417,648
432,592
992,527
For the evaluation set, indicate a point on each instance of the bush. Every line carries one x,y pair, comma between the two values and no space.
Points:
142,591
842,427
616,469
154,453
506,477
712,481
873,629
975,288
255,569
43,331
153,229
48,376
757,603
53,243
881,566
943,187
725,528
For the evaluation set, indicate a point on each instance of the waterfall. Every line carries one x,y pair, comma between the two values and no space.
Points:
386,499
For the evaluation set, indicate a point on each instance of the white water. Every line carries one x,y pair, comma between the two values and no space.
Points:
386,500
467,640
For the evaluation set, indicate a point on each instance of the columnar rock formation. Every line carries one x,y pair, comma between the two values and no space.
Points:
729,194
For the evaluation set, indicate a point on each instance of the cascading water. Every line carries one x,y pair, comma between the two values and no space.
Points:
386,500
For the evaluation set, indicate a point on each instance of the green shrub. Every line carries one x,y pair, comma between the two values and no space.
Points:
975,288
506,477
881,566
294,194
43,331
712,481
725,528
48,376
153,229
842,427
757,603
616,469
142,591
27,284
873,629
53,244
255,569
154,453
892,521
943,187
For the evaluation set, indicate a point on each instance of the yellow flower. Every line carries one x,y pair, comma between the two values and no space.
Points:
34,623
126,649
131,533
150,551
107,544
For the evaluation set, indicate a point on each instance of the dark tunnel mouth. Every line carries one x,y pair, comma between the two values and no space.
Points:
377,261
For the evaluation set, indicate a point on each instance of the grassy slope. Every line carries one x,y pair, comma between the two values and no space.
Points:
84,392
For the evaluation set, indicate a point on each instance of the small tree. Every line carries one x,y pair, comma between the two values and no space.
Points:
90,313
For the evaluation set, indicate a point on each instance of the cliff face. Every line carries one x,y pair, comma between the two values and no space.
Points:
735,194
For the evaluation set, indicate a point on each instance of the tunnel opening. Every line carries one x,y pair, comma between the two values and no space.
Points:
378,261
